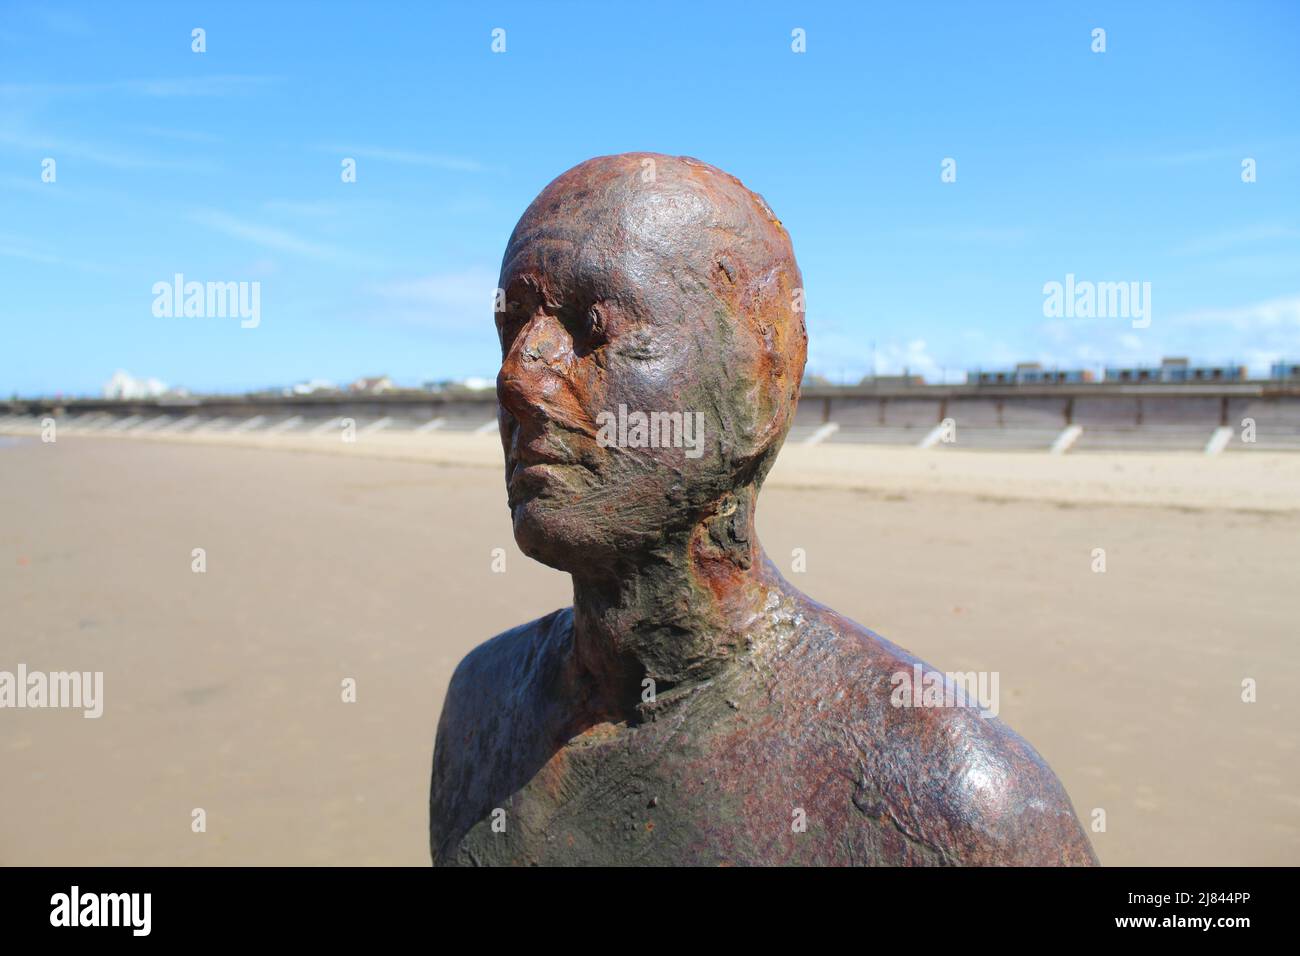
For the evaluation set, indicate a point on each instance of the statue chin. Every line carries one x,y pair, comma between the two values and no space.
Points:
573,535
538,537
558,535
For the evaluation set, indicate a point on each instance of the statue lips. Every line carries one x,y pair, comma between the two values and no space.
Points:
530,464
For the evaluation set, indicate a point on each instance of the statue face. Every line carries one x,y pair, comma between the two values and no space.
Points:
633,387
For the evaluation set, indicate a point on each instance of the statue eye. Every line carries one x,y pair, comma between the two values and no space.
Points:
596,329
509,321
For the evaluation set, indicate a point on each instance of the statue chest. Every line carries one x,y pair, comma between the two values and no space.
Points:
662,794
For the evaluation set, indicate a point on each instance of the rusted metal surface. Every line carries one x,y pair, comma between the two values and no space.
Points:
771,735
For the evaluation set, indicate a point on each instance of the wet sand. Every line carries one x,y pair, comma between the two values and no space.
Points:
223,689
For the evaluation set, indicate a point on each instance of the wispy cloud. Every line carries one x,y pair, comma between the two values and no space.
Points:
99,155
448,300
266,236
1274,146
63,21
324,208
1255,334
1188,157
163,87
1279,313
1224,241
270,237
293,207
17,247
407,157
969,234
180,135
468,288
29,184
843,357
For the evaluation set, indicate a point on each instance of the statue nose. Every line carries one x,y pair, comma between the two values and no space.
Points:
535,357
544,337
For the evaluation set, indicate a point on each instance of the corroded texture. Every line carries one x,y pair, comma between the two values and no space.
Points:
663,284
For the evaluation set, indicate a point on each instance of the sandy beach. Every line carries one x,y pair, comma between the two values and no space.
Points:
373,562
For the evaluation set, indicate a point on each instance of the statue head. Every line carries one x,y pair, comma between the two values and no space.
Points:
652,341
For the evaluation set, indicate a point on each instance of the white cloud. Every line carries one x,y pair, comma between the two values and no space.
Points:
442,300
160,87
17,247
61,149
408,158
1255,335
969,234
180,135
1223,241
1257,317
295,208
845,358
1205,155
270,237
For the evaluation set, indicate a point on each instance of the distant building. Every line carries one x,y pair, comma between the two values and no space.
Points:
471,384
1177,371
816,381
373,386
311,387
1286,371
126,386
891,381
1031,373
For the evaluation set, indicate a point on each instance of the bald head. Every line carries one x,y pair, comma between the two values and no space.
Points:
644,211
659,284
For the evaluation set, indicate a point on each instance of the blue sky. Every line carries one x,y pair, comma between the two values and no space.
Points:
225,166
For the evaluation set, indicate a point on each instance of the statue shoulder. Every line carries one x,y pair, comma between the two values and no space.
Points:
1003,803
500,678
932,756
506,662
497,696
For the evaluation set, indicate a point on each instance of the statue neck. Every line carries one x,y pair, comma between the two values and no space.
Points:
677,615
